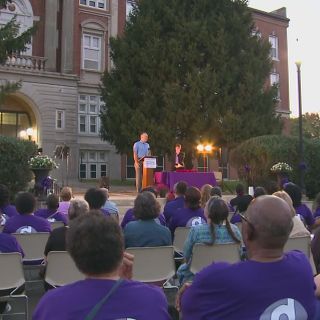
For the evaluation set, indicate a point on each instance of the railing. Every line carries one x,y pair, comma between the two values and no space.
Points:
26,62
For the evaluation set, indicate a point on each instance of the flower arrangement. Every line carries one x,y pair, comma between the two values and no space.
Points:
281,167
42,162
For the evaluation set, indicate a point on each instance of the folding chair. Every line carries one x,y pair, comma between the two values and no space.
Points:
302,244
180,236
61,269
33,245
56,224
12,279
203,255
153,264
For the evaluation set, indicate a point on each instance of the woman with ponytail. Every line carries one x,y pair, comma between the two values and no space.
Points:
218,230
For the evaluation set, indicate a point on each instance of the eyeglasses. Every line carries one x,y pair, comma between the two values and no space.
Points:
246,220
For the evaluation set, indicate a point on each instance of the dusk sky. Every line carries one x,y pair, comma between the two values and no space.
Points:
304,17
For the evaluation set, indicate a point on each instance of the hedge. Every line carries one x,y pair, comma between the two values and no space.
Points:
253,159
14,156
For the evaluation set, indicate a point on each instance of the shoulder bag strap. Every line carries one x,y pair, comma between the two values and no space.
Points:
92,314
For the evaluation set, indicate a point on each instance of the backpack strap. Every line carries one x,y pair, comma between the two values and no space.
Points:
94,311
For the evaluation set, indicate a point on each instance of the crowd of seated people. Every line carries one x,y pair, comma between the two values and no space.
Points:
265,228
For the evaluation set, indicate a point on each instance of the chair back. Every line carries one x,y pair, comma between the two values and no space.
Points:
302,244
11,274
1,228
56,224
153,264
61,269
33,244
180,236
203,255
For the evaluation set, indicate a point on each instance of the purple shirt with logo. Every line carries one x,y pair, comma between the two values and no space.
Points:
52,215
132,300
8,244
306,214
186,217
129,216
26,224
253,290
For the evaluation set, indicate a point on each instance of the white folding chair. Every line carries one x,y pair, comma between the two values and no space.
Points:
61,269
153,264
180,237
56,224
33,245
203,254
11,279
302,244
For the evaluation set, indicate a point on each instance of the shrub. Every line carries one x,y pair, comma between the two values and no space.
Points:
14,168
254,158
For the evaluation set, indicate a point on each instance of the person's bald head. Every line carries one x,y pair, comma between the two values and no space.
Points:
271,218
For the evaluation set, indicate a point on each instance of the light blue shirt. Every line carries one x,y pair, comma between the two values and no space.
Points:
141,149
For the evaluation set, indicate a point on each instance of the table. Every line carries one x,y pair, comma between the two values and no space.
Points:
194,179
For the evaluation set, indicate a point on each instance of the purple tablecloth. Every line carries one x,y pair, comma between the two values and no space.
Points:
194,179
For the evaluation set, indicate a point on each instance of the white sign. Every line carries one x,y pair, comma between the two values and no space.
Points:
150,163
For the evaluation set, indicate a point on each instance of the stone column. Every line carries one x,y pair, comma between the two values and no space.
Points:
51,34
67,43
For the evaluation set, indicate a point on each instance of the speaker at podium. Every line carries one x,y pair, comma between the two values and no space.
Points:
149,164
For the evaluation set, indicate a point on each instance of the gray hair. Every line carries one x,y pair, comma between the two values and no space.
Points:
78,207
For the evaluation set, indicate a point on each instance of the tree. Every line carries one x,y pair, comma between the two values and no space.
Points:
11,41
310,126
185,71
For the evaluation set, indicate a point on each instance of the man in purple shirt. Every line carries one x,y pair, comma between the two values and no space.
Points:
171,207
191,215
6,210
51,213
270,285
25,221
106,268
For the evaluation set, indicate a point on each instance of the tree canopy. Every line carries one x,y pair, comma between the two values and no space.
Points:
310,126
186,71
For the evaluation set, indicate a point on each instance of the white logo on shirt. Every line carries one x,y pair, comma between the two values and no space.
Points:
288,309
195,221
26,229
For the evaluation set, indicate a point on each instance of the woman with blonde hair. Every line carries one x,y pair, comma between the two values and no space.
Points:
205,194
298,230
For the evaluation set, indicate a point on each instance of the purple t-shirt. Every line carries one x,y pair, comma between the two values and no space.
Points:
172,206
132,300
8,244
9,210
186,217
306,214
64,207
253,290
26,224
129,216
52,215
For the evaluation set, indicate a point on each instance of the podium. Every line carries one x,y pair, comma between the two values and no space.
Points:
149,164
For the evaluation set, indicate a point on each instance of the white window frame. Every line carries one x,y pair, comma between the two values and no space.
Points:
96,4
62,113
86,161
90,47
274,51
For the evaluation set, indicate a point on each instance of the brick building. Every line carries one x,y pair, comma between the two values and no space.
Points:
60,71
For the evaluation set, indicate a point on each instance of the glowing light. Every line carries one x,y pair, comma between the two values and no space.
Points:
30,132
23,134
208,148
200,147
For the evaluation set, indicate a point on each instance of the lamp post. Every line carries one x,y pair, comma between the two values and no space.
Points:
301,146
205,150
29,132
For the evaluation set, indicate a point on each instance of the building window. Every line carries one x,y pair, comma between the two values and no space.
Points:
13,124
91,52
60,119
274,51
93,164
89,108
275,81
98,4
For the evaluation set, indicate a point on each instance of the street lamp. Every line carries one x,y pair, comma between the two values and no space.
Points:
29,132
204,150
301,147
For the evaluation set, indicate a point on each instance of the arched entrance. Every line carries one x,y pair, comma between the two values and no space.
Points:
17,118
